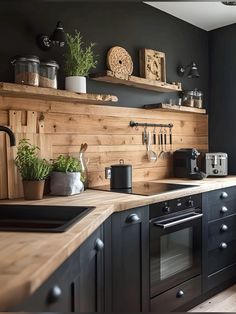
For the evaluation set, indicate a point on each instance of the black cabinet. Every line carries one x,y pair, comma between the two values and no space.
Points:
130,260
219,225
76,286
90,283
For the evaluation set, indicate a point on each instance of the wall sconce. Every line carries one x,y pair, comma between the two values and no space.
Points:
193,72
57,38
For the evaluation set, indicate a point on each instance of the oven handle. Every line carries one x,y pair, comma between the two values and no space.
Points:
177,222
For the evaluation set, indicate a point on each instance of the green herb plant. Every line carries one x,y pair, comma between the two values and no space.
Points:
79,60
30,166
66,164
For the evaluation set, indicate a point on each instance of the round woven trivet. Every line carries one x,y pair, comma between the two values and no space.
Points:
119,61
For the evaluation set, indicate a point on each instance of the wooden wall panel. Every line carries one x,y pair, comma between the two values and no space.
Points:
60,128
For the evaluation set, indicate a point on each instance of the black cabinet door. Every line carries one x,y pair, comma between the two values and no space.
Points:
89,284
57,294
130,260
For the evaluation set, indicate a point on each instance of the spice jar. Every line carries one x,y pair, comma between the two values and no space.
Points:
188,98
48,74
26,70
198,98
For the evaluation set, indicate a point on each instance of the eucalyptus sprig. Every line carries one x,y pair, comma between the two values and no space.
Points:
79,60
30,166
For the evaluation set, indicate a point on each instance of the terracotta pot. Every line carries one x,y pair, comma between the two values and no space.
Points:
33,190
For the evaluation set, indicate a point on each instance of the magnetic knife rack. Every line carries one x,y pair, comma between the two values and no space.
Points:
154,125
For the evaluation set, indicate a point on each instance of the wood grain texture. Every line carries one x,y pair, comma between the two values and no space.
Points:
135,81
26,91
60,128
28,259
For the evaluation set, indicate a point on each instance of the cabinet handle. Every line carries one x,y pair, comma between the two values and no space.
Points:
180,294
223,245
54,294
223,227
224,209
132,218
224,195
99,245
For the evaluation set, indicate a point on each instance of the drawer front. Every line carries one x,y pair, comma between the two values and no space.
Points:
216,279
178,296
223,256
222,230
221,203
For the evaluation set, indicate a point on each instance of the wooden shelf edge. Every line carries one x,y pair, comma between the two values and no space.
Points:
26,91
174,108
135,81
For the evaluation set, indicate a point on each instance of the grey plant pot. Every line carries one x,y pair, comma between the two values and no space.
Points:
66,183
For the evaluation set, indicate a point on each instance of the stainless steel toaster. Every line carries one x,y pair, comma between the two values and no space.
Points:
216,164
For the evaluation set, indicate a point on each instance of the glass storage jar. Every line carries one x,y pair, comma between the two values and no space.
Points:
188,98
198,98
26,70
48,74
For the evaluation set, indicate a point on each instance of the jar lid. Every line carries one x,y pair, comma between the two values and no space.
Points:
121,164
50,63
26,58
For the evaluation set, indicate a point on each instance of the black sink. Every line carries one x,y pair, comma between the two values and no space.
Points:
39,218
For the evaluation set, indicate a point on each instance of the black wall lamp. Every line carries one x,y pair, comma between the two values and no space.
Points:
193,71
57,38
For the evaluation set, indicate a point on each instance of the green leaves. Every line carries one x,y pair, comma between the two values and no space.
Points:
66,164
78,60
30,166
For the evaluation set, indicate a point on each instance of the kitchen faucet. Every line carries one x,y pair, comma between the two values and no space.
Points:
10,133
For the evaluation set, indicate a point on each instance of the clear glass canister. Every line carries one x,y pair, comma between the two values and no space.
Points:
188,99
198,98
48,74
26,70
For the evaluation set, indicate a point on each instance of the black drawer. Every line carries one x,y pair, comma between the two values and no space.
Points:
222,230
219,199
221,257
178,296
218,278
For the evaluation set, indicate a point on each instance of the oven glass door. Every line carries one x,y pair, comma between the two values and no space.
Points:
175,254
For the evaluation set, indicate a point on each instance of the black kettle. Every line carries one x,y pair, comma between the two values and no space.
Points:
120,175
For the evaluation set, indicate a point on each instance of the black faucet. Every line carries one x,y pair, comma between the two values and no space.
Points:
10,133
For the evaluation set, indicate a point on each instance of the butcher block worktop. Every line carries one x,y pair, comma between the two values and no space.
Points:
28,259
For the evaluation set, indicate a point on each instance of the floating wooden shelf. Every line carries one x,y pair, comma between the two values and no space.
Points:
174,108
135,81
25,91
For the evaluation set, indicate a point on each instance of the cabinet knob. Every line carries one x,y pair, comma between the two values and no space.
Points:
99,245
54,294
180,294
223,227
224,209
223,245
224,195
132,218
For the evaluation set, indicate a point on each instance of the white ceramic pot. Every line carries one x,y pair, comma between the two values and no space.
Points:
66,183
76,84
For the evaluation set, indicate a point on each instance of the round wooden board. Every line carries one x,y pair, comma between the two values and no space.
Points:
119,61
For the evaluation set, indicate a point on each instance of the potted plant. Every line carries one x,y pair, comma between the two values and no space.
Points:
78,62
33,170
66,176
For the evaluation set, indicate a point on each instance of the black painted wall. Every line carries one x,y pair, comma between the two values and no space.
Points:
130,25
222,111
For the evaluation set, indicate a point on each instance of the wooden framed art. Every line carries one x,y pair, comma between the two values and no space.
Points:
152,64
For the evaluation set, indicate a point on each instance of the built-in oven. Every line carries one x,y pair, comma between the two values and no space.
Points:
175,242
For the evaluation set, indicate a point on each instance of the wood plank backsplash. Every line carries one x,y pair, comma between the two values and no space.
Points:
60,128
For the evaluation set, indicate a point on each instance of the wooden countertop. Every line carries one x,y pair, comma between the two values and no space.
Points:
28,259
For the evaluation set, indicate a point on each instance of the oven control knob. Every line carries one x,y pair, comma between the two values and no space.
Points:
180,294
224,228
215,171
166,209
190,203
224,195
